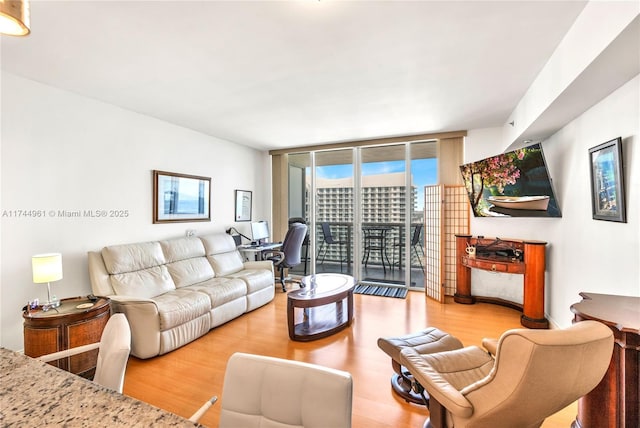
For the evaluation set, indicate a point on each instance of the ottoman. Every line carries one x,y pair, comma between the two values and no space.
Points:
428,341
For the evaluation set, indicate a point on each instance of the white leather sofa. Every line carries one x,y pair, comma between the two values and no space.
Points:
174,291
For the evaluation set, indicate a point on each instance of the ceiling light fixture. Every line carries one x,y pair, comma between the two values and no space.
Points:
14,17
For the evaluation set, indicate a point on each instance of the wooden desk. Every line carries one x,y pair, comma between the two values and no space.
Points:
615,402
34,393
530,262
255,252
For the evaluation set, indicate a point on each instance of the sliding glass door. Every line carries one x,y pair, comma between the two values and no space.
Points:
334,211
383,199
364,207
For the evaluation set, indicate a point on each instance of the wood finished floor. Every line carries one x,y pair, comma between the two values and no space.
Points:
185,378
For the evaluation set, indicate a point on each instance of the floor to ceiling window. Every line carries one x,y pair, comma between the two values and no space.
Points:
364,207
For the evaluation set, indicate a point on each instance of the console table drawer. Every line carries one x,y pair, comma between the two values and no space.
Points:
493,265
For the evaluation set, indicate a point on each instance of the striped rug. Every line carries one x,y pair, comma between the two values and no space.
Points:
380,290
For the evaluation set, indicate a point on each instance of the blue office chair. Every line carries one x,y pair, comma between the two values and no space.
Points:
290,253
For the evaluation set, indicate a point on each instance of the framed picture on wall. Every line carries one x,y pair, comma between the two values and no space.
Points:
243,205
607,181
180,197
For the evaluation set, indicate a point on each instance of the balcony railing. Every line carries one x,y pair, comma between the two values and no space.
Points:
392,245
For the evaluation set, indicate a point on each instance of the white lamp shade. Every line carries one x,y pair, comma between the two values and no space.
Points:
14,17
46,267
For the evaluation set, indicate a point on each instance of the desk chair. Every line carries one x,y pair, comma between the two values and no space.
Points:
113,353
289,255
534,374
305,243
327,241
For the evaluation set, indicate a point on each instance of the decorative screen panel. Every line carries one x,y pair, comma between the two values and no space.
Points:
446,214
433,242
456,214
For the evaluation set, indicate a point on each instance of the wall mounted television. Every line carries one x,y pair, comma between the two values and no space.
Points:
511,184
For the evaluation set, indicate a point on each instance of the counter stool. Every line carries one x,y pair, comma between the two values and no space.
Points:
428,341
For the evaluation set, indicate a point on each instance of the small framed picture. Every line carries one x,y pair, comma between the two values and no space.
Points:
607,181
243,205
180,197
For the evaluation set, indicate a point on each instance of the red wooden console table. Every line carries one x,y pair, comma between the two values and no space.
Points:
506,256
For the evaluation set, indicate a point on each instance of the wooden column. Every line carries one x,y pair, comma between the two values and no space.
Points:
463,273
533,303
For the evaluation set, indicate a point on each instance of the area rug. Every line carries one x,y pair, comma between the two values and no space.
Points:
380,290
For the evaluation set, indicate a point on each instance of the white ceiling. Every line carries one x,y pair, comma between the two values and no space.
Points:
276,74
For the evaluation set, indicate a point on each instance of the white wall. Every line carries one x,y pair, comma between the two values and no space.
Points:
61,151
583,254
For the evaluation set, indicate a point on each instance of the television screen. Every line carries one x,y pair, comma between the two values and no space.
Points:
512,184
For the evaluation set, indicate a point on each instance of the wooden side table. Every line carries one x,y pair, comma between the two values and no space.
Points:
77,321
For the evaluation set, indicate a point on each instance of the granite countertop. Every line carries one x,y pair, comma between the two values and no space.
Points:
33,393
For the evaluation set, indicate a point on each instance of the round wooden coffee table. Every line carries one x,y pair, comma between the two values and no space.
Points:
323,307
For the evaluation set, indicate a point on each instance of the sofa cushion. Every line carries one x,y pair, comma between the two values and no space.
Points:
256,279
132,257
146,283
217,243
180,306
221,290
226,263
222,253
190,271
182,249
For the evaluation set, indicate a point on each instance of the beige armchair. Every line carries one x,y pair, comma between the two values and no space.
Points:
535,373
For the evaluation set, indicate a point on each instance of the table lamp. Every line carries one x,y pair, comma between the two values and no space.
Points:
47,268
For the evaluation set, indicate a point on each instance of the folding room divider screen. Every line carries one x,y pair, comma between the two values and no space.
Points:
446,213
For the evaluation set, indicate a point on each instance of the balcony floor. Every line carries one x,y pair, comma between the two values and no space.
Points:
372,273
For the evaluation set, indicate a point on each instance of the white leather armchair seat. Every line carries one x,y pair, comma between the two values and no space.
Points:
270,392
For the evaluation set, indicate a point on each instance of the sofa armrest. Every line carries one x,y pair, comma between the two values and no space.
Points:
262,264
144,320
445,374
129,300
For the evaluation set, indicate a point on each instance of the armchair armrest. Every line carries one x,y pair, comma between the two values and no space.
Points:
68,352
445,374
491,345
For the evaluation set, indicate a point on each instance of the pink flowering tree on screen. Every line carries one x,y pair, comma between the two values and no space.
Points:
493,173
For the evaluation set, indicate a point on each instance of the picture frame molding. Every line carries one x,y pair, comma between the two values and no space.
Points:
619,215
161,217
